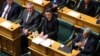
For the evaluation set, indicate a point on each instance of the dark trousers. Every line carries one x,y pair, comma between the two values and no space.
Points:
24,43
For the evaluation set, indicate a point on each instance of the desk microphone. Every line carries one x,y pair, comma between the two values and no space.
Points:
42,3
62,10
11,25
80,16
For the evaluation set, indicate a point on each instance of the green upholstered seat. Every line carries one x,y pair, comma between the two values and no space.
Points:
65,32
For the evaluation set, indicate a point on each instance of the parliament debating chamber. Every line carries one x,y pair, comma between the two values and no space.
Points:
49,27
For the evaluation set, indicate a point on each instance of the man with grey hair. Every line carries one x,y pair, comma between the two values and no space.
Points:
30,19
85,43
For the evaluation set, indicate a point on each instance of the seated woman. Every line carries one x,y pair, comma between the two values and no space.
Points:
49,26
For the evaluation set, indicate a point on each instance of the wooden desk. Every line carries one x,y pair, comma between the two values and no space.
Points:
39,50
40,5
81,20
0,44
21,2
36,50
10,42
53,50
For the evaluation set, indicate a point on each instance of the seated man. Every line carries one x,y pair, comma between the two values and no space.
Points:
10,10
87,7
29,20
49,26
71,3
85,43
55,4
98,20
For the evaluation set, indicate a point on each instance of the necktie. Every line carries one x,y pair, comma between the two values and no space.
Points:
6,12
28,15
84,41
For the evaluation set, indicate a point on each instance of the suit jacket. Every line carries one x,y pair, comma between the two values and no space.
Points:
90,10
72,4
58,2
14,11
1,2
33,20
50,27
89,47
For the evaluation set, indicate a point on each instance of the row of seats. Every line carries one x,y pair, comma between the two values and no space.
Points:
66,30
75,4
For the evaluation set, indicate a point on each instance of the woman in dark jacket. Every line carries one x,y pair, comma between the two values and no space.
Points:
49,26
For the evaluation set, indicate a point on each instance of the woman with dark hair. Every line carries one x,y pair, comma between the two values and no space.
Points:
49,25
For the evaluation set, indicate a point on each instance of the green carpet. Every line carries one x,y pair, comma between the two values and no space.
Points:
4,54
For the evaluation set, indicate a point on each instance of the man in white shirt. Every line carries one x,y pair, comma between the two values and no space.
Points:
10,10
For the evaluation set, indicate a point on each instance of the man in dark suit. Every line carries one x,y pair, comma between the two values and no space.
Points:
29,20
71,3
49,25
55,4
10,10
85,43
87,7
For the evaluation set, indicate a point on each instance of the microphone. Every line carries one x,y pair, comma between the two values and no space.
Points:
42,2
62,10
11,25
80,16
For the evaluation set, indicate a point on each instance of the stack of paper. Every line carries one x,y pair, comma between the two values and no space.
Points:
43,42
37,40
47,43
38,1
73,13
6,24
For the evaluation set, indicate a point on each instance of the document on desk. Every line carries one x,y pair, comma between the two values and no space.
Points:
37,40
47,43
38,1
74,13
6,24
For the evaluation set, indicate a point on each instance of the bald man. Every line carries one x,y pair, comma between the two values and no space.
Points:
30,19
85,43
10,10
